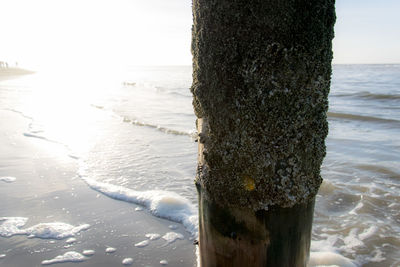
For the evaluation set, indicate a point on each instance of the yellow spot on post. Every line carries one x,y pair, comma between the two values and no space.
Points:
249,184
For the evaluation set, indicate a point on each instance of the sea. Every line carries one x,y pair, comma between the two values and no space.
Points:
132,135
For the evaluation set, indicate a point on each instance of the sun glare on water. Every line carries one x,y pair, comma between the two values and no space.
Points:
64,107
80,50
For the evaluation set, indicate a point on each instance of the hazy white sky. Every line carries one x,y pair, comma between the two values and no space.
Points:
99,32
367,31
146,32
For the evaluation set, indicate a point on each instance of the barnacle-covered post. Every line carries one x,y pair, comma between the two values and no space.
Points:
261,77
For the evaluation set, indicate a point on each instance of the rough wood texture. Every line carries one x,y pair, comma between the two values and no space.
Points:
261,77
238,237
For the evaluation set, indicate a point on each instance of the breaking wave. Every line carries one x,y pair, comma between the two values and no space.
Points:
160,128
361,118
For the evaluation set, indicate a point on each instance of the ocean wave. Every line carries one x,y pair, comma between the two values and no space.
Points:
361,118
136,122
369,95
160,128
162,204
380,169
174,92
171,206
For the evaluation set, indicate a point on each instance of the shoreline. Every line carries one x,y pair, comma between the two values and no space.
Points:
10,73
47,189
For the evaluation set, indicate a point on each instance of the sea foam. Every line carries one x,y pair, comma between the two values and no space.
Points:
153,236
176,208
329,259
70,256
163,204
110,250
12,226
127,261
163,262
142,244
171,237
324,252
56,230
191,133
8,179
88,252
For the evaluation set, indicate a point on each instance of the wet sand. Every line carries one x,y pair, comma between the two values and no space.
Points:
47,189
11,73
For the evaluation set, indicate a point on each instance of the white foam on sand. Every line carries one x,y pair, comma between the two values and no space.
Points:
11,226
329,259
127,261
163,204
142,244
176,208
153,236
110,250
88,252
70,256
70,240
171,237
7,179
57,230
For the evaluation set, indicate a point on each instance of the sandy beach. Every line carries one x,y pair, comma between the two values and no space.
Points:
44,188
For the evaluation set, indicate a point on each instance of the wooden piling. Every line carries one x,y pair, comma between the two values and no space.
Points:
261,78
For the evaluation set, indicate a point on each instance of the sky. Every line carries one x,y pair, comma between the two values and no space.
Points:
367,31
103,33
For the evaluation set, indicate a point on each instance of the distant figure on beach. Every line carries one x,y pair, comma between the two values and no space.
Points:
3,64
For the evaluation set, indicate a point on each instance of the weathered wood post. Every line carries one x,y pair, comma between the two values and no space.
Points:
261,77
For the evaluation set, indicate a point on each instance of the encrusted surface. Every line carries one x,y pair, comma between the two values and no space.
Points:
261,77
